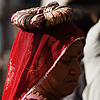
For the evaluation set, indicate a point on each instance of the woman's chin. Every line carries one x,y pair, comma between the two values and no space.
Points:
67,92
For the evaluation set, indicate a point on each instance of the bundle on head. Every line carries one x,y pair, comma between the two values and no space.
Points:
42,17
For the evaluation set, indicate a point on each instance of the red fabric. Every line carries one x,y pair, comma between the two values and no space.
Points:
32,96
33,53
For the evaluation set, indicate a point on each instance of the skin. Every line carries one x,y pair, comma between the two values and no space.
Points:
63,79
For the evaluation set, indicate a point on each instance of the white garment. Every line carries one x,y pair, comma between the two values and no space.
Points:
92,64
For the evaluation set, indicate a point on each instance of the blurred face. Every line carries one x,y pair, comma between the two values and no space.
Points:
63,79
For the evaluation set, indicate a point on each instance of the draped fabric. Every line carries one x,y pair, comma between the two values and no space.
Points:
32,55
92,63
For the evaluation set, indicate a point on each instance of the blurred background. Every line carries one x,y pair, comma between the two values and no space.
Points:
84,10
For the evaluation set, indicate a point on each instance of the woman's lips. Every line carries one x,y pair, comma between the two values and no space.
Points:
72,81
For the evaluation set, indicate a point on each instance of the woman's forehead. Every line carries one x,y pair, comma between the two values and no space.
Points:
77,44
75,48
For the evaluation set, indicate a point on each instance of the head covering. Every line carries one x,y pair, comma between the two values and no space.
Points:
35,53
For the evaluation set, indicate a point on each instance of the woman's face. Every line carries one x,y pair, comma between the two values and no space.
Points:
63,79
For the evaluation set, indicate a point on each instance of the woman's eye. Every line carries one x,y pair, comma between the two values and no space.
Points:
65,61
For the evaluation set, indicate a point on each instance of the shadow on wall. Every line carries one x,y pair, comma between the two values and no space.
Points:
2,80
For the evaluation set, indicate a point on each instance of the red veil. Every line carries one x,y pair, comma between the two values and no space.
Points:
32,55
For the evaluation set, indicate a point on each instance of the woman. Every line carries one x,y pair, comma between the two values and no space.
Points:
45,57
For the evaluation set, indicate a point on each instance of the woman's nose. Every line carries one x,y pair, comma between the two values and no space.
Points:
78,72
75,69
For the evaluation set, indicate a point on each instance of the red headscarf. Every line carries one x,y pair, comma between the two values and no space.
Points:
31,48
